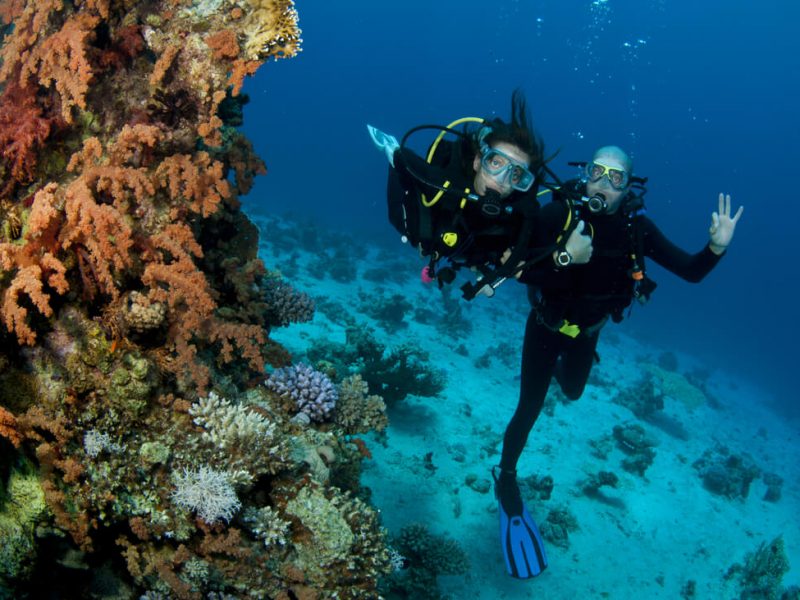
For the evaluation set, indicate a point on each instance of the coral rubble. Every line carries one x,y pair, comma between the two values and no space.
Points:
135,318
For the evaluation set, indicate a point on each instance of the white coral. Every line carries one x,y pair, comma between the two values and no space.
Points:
230,425
266,524
207,492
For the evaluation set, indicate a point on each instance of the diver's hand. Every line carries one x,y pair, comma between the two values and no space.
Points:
504,260
723,225
579,245
384,141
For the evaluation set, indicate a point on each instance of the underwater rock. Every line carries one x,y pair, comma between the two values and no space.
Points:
591,486
727,474
676,386
774,484
560,522
643,399
638,445
537,488
761,575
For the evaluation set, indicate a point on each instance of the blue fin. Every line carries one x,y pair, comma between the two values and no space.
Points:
523,547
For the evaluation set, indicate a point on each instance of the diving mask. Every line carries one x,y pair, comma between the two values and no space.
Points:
505,169
618,178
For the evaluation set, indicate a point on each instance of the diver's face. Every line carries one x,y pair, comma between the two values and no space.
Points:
603,186
485,181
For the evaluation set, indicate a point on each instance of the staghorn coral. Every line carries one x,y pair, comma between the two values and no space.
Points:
249,439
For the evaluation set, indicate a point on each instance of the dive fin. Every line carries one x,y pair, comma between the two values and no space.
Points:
522,543
384,141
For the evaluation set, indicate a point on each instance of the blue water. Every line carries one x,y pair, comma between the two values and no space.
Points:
703,94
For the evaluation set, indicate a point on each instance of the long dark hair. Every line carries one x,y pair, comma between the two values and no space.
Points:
519,131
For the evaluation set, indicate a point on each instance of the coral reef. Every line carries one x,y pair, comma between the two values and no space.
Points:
675,385
391,373
388,311
135,320
307,390
761,575
560,522
356,410
643,399
727,474
22,508
426,557
638,445
537,488
286,304
592,484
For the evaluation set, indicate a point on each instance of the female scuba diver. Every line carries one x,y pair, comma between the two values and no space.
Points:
471,200
474,203
572,302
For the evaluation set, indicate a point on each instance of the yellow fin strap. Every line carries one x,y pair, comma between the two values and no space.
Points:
569,329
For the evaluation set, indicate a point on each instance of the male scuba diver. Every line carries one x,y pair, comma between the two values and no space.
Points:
571,302
473,202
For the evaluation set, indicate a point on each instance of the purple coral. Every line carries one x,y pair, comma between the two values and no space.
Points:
313,392
286,304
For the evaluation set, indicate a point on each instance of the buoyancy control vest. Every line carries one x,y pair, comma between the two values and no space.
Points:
573,194
431,204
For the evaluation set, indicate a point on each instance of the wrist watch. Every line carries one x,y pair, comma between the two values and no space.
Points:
563,258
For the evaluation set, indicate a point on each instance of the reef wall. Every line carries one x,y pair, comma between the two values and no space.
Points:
141,453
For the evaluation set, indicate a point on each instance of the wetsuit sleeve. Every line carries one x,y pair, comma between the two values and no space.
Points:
691,267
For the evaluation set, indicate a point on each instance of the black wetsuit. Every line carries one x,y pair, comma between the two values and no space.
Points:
481,237
585,295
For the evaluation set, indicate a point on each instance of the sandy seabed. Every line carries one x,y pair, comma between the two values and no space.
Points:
646,538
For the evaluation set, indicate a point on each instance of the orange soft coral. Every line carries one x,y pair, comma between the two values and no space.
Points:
23,130
8,428
61,61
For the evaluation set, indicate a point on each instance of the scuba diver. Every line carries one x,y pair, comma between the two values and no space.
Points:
473,203
571,302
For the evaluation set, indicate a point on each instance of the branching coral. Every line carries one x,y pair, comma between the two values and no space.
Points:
307,390
130,273
356,410
428,556
132,276
207,492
